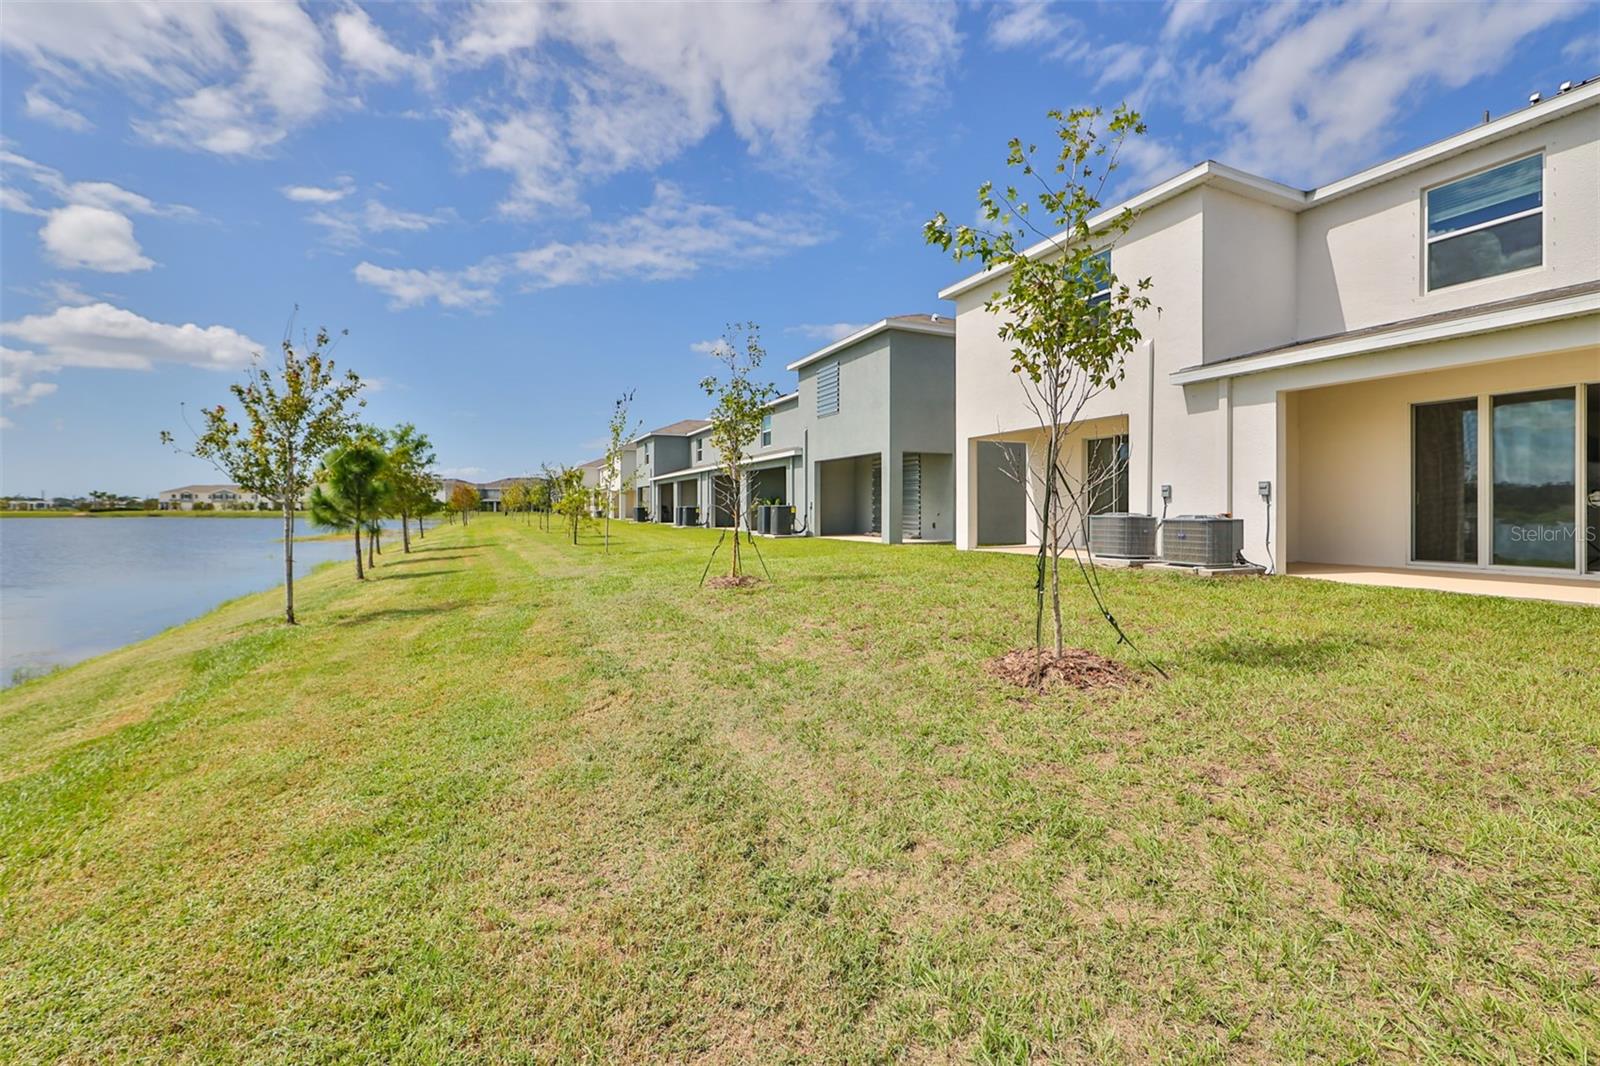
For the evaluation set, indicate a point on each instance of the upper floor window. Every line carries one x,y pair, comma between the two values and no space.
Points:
647,455
1488,224
1100,268
828,389
766,430
699,449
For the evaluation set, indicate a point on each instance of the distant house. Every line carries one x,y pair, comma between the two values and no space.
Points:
490,493
661,460
26,503
217,497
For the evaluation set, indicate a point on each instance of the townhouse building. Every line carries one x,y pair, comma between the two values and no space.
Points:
1399,369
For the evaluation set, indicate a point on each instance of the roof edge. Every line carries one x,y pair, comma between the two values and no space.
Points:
1253,185
938,326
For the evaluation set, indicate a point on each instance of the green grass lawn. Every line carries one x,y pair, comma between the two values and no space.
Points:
515,800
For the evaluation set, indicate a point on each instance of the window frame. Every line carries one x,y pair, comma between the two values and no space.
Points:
1429,241
1485,562
766,430
1102,296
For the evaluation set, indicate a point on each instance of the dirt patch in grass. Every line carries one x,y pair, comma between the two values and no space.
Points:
1073,668
743,581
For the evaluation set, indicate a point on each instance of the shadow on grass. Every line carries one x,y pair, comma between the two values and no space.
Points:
389,613
1272,653
412,560
391,576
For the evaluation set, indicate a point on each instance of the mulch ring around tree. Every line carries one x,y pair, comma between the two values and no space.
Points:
1074,668
743,581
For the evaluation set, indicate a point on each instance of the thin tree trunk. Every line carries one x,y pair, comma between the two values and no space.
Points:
405,533
360,576
1055,554
372,539
288,561
739,511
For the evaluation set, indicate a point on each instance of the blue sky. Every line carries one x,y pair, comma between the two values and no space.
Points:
519,212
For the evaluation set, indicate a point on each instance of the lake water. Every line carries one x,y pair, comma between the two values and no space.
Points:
71,588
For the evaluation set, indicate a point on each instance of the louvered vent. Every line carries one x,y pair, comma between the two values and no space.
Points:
828,390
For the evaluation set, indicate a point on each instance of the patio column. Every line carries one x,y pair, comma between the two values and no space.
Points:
892,485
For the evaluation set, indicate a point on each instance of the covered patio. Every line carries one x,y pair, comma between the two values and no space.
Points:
1473,478
1007,470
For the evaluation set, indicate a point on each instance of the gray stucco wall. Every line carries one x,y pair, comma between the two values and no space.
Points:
938,496
1002,499
896,395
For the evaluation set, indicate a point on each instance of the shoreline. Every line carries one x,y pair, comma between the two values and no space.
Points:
149,514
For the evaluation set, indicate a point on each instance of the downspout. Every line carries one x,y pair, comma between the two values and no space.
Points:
1150,435
1225,403
805,478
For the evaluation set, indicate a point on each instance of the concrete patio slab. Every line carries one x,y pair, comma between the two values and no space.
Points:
1585,591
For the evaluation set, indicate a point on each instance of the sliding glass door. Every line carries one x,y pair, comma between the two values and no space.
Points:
1541,451
1591,484
1444,478
1535,479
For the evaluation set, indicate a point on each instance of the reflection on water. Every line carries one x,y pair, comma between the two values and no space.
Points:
71,588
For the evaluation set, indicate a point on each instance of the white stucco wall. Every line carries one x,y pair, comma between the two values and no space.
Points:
1361,259
1353,446
1166,245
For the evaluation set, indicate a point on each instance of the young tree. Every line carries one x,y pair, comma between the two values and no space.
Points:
349,492
411,484
1068,320
515,497
427,506
570,497
463,501
292,414
539,497
613,484
736,417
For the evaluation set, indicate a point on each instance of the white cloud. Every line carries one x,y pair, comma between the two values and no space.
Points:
1185,17
471,288
92,238
629,92
18,369
315,194
529,147
380,218
57,292
1037,24
494,31
1317,100
91,230
367,49
828,331
14,199
347,228
673,237
463,473
714,348
1584,49
101,336
226,78
37,105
